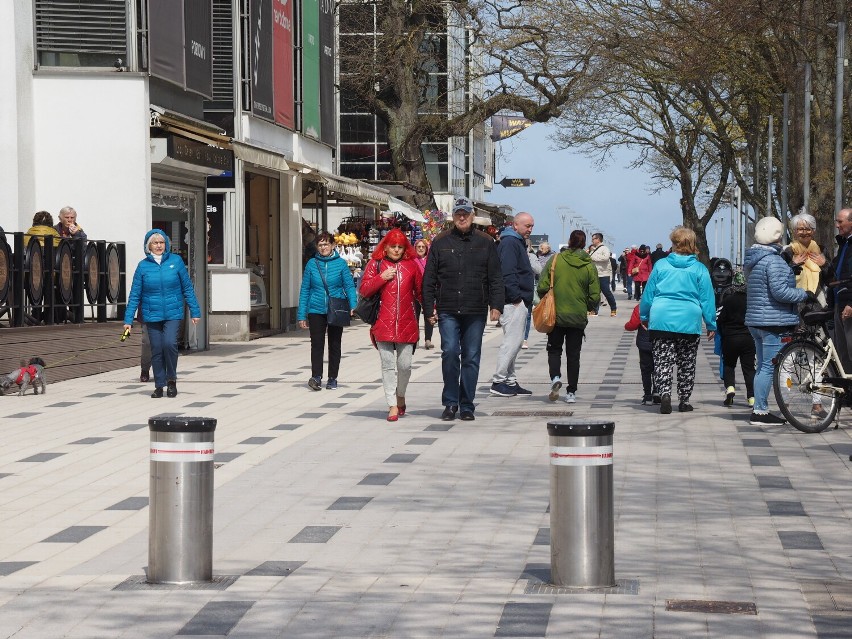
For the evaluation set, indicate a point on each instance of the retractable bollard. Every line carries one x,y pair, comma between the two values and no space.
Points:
180,537
582,538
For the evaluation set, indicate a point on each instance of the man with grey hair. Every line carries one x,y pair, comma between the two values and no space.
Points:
67,226
518,285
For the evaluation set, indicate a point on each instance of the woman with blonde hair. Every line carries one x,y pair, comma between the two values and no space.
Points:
677,297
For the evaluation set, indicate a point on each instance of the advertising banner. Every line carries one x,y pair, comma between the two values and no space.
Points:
260,52
282,63
505,126
326,35
198,41
311,68
165,41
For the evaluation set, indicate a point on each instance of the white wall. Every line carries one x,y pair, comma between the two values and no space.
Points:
16,117
91,152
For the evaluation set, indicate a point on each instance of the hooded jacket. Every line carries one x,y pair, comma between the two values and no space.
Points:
397,321
576,288
518,275
160,290
772,293
678,295
462,274
312,296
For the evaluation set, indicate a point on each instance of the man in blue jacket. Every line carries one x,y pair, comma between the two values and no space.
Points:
518,283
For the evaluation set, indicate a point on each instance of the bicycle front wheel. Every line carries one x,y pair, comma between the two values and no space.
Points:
808,404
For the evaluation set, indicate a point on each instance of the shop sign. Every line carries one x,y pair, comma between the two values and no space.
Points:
199,153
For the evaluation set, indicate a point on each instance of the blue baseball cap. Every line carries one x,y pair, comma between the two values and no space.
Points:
462,204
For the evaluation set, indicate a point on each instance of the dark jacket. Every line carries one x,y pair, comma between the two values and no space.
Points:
843,293
657,255
462,274
160,290
63,232
518,275
731,319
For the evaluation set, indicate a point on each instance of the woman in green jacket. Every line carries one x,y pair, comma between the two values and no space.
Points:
576,291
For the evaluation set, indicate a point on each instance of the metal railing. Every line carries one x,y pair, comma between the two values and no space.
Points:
46,280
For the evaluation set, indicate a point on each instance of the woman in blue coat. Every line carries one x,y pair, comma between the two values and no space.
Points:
161,286
326,274
677,297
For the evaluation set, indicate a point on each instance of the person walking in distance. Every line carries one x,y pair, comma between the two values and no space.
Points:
462,280
600,254
576,291
518,284
842,270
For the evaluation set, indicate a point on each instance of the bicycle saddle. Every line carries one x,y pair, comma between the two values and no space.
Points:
817,317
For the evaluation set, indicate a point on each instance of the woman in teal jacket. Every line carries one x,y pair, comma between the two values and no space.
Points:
677,297
326,271
161,286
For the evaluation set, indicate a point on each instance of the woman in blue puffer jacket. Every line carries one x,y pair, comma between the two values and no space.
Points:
326,271
161,286
677,297
771,308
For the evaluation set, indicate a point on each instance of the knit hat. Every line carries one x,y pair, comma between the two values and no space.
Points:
768,231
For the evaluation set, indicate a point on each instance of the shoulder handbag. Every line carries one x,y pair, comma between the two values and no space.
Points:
368,307
338,307
544,315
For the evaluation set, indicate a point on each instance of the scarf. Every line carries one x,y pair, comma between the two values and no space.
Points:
808,277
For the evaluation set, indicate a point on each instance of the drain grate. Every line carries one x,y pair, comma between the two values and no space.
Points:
138,582
716,607
532,413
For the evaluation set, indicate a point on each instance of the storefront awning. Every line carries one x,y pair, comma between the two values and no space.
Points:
260,155
189,127
395,205
355,189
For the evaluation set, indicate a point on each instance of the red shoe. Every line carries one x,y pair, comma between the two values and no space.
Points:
401,410
392,417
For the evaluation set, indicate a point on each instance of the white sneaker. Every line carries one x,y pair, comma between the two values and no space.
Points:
570,398
555,385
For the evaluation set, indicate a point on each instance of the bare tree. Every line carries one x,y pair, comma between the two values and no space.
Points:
431,70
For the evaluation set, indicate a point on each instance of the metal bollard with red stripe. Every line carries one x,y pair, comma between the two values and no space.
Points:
180,537
581,503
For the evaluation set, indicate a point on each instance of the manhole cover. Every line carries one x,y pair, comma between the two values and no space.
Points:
532,413
718,607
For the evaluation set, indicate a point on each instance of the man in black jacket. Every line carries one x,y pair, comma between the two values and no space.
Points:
462,280
842,267
518,283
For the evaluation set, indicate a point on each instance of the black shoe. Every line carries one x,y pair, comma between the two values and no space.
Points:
466,416
656,399
685,407
646,400
158,392
315,383
449,413
144,376
171,390
665,404
520,390
766,419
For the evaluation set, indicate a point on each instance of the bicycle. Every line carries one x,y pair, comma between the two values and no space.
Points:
809,380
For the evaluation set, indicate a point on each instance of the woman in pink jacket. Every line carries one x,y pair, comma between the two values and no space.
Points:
421,247
639,268
394,274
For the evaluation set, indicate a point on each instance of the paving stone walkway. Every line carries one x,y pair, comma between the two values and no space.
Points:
331,522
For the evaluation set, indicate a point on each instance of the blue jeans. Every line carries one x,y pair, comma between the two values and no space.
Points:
164,350
461,347
607,293
766,346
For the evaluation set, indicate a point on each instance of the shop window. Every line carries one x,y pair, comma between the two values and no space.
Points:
358,171
357,128
438,176
358,152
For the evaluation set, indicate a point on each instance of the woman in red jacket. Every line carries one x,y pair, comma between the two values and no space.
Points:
393,272
640,270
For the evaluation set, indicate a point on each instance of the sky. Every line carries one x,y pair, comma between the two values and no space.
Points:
617,201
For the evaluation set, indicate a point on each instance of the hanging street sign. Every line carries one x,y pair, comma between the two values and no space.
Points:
508,182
